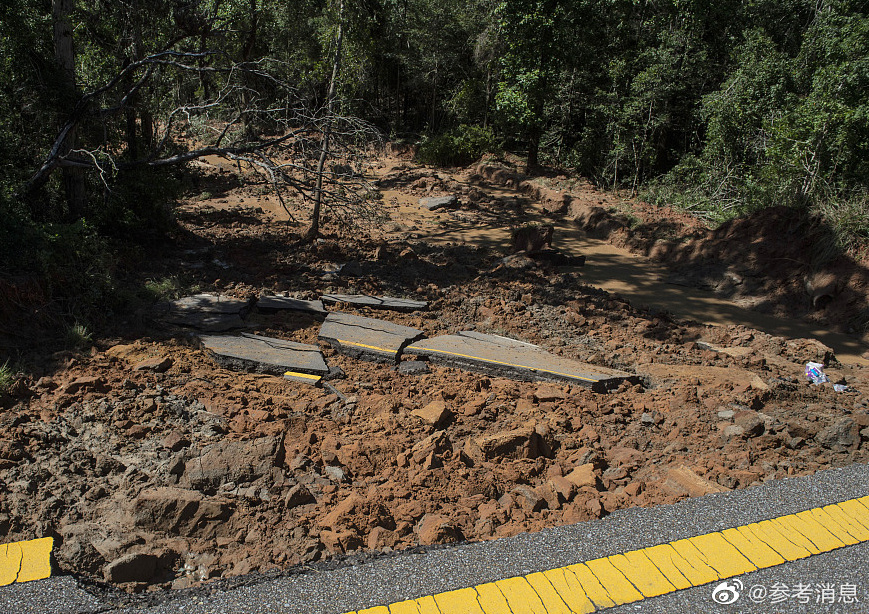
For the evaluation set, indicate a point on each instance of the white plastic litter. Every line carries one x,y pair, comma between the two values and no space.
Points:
815,373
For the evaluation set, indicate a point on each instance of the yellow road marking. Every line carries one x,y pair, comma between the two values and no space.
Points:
25,561
362,345
568,588
302,375
510,364
657,570
642,573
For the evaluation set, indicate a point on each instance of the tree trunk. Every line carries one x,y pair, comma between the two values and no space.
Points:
533,151
246,54
314,229
73,178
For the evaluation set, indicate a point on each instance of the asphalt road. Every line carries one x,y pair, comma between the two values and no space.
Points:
367,582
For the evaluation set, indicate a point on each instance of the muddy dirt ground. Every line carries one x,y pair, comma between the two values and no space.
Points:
151,466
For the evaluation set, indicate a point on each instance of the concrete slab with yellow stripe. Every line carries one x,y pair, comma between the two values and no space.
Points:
802,531
505,357
367,338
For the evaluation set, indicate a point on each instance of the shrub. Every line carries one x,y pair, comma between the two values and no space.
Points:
458,147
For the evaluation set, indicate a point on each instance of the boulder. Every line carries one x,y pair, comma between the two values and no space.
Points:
179,511
436,529
234,461
433,203
841,436
435,413
583,476
696,486
523,442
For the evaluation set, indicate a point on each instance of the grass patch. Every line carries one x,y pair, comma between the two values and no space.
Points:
164,289
7,377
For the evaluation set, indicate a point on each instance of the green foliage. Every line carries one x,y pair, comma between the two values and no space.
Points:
7,377
78,337
848,217
789,125
167,288
458,147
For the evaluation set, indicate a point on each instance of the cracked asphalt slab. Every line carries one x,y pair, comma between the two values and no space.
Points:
365,581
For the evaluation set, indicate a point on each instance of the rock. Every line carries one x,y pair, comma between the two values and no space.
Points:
158,364
519,443
131,568
97,384
528,499
726,414
696,486
628,457
583,476
595,507
336,474
563,487
351,269
381,538
298,495
433,445
341,541
732,431
436,529
76,550
413,367
751,422
547,393
433,203
343,513
234,461
841,436
175,441
435,413
179,511
46,383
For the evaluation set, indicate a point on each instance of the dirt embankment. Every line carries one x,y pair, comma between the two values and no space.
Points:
778,260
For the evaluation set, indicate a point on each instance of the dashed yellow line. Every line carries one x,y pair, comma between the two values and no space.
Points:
649,572
25,561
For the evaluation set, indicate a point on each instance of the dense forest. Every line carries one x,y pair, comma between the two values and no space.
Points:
719,107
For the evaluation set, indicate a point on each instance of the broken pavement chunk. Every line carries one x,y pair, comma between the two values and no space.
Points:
265,354
208,312
505,357
279,303
367,338
376,302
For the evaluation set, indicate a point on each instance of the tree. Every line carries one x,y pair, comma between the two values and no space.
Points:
218,101
530,66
